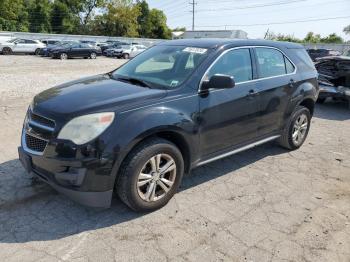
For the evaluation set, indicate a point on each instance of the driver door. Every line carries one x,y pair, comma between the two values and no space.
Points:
19,46
230,117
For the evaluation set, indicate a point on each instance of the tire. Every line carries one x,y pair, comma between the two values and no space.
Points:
286,140
93,55
37,51
137,197
63,56
126,56
7,51
321,100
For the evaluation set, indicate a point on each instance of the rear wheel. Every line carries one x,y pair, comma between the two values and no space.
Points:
150,175
37,51
63,56
297,130
93,55
7,51
126,56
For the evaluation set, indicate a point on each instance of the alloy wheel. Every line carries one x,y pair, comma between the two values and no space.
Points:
63,56
299,129
156,178
93,56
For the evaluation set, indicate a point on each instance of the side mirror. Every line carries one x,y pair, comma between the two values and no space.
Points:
218,81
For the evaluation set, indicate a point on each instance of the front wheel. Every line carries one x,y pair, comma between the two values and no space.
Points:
126,56
7,51
63,56
150,175
93,55
297,129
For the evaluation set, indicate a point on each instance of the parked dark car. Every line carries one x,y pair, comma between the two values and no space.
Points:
110,45
47,50
75,50
319,53
139,129
334,78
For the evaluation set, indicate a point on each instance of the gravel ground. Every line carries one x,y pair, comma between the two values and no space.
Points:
265,204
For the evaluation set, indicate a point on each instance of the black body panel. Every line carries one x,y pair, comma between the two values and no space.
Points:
203,125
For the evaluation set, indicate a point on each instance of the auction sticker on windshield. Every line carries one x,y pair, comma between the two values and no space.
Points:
195,50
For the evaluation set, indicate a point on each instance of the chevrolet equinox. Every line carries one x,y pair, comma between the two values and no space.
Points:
179,105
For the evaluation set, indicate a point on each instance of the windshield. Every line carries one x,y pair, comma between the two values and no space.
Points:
163,66
12,40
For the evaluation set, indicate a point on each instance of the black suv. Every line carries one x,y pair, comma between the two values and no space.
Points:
179,105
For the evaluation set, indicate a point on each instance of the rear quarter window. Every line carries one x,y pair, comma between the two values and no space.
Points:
304,57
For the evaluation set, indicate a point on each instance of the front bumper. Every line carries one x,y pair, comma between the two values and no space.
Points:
334,92
83,173
67,183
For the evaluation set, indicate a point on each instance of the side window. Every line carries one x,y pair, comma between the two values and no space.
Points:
270,62
236,63
20,41
29,42
289,66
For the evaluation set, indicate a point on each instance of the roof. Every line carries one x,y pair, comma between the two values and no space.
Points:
217,42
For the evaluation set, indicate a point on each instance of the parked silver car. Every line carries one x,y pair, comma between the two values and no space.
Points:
128,51
19,45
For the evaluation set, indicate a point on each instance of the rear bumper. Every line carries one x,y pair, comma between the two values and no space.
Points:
68,183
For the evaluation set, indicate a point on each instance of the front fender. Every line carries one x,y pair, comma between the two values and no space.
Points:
178,118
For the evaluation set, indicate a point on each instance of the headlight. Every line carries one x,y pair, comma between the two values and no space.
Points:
83,129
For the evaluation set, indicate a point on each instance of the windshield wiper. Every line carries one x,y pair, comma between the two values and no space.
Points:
134,81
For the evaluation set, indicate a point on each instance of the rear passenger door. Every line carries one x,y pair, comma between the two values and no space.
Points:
277,80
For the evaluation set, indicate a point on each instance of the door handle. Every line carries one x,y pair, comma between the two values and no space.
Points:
291,83
252,93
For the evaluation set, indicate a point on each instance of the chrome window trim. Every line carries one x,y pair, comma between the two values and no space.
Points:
250,81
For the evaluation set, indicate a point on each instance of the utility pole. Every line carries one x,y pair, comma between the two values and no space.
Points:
193,3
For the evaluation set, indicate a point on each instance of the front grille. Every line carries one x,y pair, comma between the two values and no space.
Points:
42,120
35,144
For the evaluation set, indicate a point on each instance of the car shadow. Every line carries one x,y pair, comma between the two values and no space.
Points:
31,211
333,110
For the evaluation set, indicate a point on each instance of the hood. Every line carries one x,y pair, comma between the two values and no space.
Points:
92,94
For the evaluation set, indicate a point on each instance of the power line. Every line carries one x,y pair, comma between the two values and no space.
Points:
282,23
253,6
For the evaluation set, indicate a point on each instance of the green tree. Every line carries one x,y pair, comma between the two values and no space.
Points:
62,19
143,19
179,29
13,16
332,39
312,38
119,20
39,15
158,22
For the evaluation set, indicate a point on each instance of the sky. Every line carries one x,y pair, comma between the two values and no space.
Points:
257,16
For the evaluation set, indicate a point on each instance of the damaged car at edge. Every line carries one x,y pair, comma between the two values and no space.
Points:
334,78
